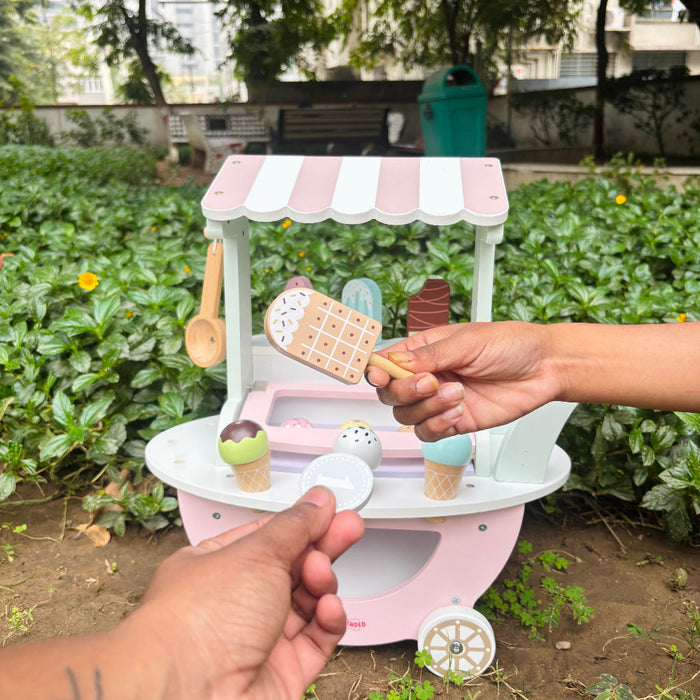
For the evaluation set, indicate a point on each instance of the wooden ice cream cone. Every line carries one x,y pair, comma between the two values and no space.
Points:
243,445
254,476
442,480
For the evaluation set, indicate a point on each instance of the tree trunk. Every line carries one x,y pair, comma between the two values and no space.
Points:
693,8
601,73
151,74
139,40
450,14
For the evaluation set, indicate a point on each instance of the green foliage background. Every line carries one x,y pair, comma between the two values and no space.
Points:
89,376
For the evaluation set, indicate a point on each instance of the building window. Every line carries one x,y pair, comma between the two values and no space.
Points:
216,123
663,9
578,65
661,60
91,86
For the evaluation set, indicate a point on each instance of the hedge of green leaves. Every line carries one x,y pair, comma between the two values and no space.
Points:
89,374
616,248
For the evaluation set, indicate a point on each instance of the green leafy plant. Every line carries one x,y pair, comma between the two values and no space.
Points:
616,248
691,632
310,692
8,547
608,688
518,597
678,494
69,177
100,288
16,467
405,687
20,125
89,375
680,642
19,619
104,130
149,509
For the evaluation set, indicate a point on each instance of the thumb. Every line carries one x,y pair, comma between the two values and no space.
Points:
439,356
290,532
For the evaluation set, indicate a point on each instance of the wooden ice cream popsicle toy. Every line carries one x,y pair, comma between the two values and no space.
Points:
324,334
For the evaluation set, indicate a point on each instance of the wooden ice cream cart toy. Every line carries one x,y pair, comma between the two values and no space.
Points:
422,563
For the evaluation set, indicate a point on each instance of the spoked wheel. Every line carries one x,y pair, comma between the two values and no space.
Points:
458,639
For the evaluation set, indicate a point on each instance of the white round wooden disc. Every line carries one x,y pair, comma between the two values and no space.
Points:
348,476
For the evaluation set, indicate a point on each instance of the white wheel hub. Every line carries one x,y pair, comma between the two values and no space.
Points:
459,639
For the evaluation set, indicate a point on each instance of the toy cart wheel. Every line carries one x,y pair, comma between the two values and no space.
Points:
458,639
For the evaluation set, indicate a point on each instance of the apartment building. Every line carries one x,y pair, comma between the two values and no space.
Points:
205,76
656,40
201,77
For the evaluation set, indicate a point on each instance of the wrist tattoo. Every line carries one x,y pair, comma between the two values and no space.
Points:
75,688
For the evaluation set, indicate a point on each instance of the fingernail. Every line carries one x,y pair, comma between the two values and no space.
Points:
427,384
454,414
451,392
317,495
401,358
370,381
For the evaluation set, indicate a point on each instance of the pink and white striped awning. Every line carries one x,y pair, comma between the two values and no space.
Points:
355,189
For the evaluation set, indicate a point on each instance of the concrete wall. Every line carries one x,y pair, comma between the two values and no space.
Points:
679,138
151,118
621,134
402,99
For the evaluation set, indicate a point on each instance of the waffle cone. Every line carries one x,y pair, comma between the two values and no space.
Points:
442,480
253,476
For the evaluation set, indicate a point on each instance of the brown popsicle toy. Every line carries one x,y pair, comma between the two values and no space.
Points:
324,334
430,307
205,335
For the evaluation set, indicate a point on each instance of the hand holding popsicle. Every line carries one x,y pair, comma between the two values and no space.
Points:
324,334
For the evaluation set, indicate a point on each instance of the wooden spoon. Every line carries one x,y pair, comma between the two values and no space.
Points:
205,335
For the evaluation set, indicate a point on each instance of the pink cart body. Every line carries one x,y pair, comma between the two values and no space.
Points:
422,563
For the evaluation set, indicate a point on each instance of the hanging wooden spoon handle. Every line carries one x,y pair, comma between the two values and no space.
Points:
213,276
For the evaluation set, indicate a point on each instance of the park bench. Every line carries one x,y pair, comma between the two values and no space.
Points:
343,131
212,137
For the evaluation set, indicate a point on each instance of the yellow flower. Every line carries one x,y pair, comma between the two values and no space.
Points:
188,270
682,318
308,269
88,281
620,199
266,270
302,254
286,223
128,314
153,228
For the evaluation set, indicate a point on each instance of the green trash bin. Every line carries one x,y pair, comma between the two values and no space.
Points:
452,108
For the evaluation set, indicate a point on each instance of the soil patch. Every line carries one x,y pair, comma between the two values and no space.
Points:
54,582
174,175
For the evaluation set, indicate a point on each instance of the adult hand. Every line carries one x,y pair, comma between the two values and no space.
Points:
253,613
468,377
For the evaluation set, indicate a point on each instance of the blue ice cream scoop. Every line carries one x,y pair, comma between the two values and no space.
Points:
455,451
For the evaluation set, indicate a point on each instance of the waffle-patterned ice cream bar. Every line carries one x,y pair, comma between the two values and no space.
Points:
325,334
